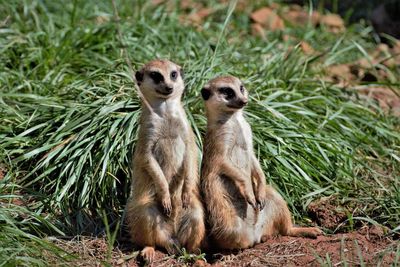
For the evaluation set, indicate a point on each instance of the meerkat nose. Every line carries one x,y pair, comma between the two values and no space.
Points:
242,102
168,89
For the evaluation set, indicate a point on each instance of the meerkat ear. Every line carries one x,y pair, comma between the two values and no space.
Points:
205,93
139,77
182,73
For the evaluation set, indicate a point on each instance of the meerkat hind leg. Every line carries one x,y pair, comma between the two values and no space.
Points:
287,228
191,230
312,232
290,230
151,229
148,254
282,224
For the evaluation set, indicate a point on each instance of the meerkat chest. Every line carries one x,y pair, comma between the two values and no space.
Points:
170,145
240,149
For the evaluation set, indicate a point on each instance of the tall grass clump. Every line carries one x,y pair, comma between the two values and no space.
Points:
69,111
22,231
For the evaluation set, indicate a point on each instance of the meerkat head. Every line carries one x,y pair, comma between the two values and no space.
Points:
160,79
224,94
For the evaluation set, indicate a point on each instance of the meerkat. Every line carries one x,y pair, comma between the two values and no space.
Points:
164,209
242,209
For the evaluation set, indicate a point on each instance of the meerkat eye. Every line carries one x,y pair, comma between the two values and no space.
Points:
156,76
174,75
227,92
242,89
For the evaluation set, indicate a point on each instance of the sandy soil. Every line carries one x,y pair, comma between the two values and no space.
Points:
367,245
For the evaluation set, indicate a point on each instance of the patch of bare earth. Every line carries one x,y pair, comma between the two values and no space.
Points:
368,245
290,251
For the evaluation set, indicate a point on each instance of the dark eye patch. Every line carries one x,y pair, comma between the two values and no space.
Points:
174,75
139,76
156,76
205,93
227,92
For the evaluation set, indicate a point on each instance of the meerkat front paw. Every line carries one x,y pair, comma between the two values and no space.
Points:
185,200
261,198
248,195
251,200
166,204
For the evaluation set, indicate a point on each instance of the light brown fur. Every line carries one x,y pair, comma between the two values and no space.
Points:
242,210
164,209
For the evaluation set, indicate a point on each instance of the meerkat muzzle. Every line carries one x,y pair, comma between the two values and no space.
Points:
238,104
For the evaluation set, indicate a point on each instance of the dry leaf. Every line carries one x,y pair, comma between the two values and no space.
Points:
199,263
340,71
340,74
102,19
391,62
274,6
307,48
383,48
200,15
295,7
333,22
157,2
315,18
268,19
257,30
190,5
386,56
301,17
2,173
288,38
396,47
296,17
386,98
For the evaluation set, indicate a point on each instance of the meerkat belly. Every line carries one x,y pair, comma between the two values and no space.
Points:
169,153
169,150
247,219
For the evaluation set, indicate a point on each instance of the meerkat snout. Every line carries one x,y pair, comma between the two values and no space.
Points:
160,79
225,93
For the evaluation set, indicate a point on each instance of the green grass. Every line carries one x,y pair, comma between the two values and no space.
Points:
22,231
69,110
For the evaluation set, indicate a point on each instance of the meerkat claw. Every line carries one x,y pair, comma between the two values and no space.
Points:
167,206
252,201
148,254
185,200
261,204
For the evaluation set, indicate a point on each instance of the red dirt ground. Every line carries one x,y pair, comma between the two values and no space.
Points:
369,242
